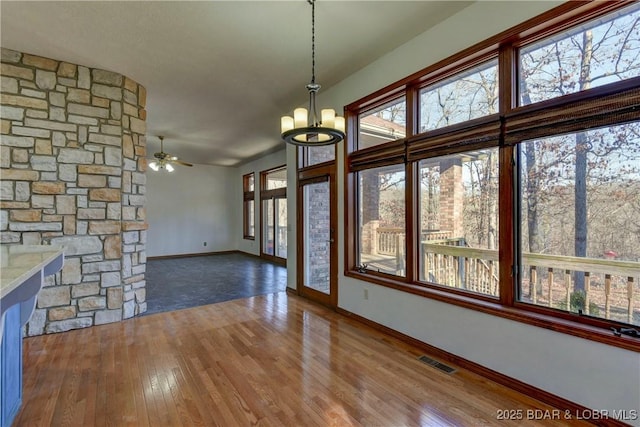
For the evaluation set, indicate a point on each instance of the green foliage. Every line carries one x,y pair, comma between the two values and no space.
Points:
577,301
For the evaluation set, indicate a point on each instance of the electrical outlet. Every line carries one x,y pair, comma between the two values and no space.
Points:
366,293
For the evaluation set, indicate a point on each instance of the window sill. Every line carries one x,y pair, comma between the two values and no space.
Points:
519,312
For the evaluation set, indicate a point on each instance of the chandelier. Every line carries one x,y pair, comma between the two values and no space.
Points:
305,128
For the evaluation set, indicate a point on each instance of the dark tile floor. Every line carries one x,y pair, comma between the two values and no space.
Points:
177,283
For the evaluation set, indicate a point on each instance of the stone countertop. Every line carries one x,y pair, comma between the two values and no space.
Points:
19,262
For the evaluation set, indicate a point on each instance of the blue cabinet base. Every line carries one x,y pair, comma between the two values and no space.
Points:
11,367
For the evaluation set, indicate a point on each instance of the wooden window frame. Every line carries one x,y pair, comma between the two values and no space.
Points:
615,103
277,193
248,195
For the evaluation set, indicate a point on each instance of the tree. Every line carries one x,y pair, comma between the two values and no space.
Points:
462,98
598,55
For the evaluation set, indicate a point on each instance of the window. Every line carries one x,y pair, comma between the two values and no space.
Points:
382,219
463,97
275,178
459,221
594,54
579,229
311,156
383,124
273,197
248,206
506,179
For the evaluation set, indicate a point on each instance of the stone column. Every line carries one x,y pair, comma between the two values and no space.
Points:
73,174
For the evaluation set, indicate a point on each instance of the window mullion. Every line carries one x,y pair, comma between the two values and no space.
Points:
412,239
412,211
508,78
506,227
508,87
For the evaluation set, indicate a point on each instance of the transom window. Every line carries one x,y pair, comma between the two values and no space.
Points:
465,96
383,124
597,53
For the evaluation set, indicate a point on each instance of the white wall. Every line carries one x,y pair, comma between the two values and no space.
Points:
262,164
589,373
191,206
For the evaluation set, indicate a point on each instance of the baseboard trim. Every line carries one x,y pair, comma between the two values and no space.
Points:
292,291
151,258
514,384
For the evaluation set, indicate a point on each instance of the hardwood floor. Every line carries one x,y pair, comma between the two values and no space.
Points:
272,360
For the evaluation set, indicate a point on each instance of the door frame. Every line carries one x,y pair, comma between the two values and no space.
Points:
320,173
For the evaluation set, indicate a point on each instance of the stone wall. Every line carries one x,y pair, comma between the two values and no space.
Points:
73,174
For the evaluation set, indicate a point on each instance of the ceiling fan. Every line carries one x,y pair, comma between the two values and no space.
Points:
165,160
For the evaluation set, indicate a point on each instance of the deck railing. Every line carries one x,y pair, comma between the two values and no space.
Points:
390,240
475,270
610,287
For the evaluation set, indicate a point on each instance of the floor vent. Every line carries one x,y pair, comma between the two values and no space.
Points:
444,368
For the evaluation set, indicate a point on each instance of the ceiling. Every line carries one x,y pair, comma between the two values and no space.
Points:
218,74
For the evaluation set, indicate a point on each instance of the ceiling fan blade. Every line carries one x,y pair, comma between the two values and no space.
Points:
180,162
166,158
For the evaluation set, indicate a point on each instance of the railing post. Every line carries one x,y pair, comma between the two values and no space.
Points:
490,288
533,277
374,237
607,295
467,272
458,278
567,285
399,242
425,264
452,272
550,284
630,299
587,287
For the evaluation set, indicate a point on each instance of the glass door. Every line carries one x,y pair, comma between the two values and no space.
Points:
274,241
273,196
317,272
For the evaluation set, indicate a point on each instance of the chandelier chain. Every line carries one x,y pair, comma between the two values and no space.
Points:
313,41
